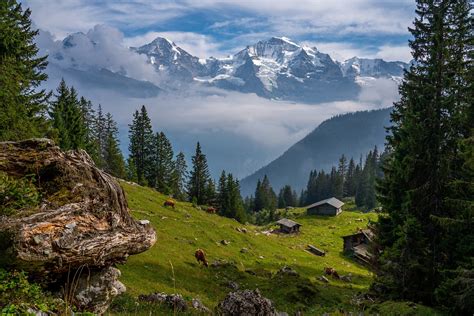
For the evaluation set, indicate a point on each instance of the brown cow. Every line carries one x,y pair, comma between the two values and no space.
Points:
169,203
333,272
211,210
201,257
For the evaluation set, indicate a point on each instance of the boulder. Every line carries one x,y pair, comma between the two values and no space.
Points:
287,271
80,230
246,303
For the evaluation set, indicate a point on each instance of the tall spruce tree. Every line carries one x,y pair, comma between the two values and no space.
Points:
23,105
163,164
141,145
426,159
67,119
113,159
180,175
198,185
57,112
88,117
265,197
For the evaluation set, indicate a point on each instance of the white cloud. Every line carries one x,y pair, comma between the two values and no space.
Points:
389,52
101,47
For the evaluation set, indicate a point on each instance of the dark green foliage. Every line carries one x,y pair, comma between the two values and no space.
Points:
198,185
17,295
287,197
229,201
346,181
112,156
17,194
67,118
163,164
22,105
427,189
179,177
265,197
141,146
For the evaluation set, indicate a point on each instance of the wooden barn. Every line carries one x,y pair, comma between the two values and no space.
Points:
331,207
358,245
288,226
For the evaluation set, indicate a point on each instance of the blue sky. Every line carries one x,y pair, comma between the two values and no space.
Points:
343,28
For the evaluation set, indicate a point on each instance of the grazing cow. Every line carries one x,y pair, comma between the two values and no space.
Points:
169,203
211,210
333,272
201,257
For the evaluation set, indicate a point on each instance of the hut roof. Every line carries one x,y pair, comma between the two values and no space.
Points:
331,201
287,222
369,234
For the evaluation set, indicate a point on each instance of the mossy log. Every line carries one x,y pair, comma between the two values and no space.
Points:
82,221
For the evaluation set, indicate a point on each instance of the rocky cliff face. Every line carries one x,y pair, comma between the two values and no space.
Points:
81,229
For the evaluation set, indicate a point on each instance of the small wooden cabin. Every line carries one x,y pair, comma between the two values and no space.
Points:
331,207
288,226
358,245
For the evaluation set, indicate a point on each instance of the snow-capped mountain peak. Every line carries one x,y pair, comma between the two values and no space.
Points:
276,67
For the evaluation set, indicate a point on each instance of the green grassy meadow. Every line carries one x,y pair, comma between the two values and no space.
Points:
170,267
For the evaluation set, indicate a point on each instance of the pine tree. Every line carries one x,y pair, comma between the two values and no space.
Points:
74,121
141,145
163,164
425,157
341,178
179,177
88,117
23,105
131,171
223,195
113,159
57,114
265,197
199,177
286,197
349,185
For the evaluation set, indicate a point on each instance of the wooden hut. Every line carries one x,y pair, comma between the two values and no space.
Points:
358,245
288,226
331,207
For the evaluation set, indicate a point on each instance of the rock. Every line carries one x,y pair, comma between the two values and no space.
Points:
244,250
233,285
144,222
323,279
246,303
175,302
287,271
241,230
225,242
82,227
199,306
94,293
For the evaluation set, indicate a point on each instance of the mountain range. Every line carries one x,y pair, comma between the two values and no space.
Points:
275,68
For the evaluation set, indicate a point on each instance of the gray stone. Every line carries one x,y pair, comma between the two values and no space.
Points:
246,303
94,292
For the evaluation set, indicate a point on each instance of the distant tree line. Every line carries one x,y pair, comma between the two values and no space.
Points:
346,180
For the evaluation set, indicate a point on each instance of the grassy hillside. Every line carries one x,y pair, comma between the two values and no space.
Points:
170,265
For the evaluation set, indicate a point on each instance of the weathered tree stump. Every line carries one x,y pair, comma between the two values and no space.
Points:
82,224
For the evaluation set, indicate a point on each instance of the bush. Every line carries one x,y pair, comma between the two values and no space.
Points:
19,297
17,194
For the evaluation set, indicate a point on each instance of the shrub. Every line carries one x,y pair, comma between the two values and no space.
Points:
19,297
17,194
